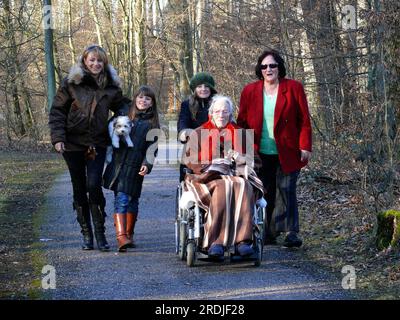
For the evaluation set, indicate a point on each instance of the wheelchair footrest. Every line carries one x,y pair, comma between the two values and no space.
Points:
239,258
204,257
232,256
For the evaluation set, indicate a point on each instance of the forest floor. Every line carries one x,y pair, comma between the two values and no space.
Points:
336,227
26,176
339,231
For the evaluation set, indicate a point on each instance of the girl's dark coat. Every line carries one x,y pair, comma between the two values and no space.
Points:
122,174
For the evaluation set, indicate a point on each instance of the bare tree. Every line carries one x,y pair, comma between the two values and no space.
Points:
48,46
70,32
140,36
12,66
93,11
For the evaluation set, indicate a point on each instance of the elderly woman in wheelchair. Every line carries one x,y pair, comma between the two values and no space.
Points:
224,185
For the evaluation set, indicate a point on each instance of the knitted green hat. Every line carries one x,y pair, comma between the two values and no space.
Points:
202,78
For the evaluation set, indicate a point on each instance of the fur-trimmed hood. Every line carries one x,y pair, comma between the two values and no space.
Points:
77,73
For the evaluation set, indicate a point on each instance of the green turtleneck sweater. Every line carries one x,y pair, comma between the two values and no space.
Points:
267,143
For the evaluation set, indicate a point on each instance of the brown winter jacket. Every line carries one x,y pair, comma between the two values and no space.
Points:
80,110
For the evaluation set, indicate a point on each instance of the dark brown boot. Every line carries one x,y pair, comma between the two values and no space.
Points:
98,217
120,230
130,227
83,217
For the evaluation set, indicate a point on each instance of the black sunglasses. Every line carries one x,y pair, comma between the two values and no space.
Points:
94,47
271,65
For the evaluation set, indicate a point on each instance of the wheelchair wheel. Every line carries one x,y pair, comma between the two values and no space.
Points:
177,221
191,254
259,251
176,237
182,241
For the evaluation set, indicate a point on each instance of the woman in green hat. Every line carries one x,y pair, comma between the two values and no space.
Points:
194,111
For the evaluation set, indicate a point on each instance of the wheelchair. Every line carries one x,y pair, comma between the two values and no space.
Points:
189,233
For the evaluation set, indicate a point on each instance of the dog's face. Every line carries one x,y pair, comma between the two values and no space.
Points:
122,126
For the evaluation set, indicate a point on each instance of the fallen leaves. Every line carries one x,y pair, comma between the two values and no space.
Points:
338,222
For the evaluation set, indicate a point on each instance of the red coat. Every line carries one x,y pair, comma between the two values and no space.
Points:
204,144
292,127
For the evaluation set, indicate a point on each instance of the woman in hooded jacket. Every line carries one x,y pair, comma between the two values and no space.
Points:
78,122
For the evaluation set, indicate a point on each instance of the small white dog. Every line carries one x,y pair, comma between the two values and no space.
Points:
120,127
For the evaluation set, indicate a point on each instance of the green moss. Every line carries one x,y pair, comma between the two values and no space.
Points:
38,261
37,258
392,213
388,232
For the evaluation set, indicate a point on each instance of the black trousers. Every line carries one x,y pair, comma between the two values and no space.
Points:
86,177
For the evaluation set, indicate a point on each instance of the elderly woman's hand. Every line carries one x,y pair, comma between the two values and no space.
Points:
236,157
305,155
231,155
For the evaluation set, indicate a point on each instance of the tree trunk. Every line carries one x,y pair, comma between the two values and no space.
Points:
140,41
58,63
286,45
110,38
388,231
20,129
317,38
70,42
128,45
197,36
48,48
96,22
185,50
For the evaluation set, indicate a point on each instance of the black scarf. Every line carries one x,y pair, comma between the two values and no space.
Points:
144,114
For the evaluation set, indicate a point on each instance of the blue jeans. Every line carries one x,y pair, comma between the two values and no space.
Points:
282,211
287,215
124,203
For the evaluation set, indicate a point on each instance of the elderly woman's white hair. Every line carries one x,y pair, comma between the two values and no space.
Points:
227,101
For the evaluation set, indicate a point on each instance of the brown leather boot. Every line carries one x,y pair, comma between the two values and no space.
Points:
130,227
120,230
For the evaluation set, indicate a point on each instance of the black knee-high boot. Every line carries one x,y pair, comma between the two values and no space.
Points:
83,218
98,217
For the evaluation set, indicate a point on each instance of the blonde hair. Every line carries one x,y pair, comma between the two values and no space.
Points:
101,53
96,49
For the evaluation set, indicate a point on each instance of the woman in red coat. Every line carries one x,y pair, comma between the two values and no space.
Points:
276,108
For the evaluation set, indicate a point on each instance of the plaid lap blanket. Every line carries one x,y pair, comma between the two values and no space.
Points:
226,191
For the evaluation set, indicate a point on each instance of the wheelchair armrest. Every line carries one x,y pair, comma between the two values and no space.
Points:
187,200
187,170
